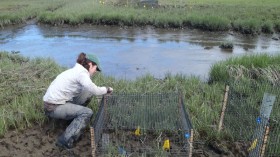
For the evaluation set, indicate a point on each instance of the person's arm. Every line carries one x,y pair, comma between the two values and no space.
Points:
87,83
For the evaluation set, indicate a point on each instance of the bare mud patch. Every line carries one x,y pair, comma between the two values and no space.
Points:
39,141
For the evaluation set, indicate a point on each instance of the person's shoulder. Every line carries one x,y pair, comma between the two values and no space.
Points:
80,71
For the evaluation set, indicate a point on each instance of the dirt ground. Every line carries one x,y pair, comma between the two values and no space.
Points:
39,141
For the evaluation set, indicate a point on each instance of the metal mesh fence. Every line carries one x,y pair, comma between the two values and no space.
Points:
244,120
155,124
273,145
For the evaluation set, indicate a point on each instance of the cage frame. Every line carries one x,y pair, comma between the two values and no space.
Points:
185,120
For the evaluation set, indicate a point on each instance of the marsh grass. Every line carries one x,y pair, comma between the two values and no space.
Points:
267,27
226,45
219,70
23,82
248,17
277,25
247,26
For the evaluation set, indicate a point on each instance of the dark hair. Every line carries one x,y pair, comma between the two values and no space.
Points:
82,59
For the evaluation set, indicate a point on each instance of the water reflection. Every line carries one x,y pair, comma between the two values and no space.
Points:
132,52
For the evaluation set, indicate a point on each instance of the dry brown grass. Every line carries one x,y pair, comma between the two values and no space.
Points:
270,73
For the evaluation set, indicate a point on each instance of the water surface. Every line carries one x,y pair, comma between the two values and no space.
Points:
128,53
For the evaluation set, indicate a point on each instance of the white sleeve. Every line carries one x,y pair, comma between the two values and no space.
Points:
87,83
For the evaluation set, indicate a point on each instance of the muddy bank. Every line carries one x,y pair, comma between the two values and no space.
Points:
40,141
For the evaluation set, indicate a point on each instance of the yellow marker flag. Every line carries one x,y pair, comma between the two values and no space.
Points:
166,145
137,131
253,145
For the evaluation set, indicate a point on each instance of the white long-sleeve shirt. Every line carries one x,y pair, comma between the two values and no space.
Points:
69,84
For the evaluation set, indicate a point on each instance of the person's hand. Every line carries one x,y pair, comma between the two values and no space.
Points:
109,90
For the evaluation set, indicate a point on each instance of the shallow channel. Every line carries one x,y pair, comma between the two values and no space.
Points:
128,53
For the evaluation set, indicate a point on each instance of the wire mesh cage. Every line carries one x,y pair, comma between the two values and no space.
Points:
244,119
153,124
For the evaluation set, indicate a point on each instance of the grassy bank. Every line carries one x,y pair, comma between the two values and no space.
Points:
258,67
249,17
23,82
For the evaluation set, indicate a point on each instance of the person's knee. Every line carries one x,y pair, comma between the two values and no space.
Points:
88,112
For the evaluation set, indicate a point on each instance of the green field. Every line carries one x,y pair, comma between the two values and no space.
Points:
248,17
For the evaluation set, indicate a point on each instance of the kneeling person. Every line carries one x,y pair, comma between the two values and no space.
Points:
68,95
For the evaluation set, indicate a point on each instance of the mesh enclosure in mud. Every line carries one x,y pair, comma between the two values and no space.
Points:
245,121
155,124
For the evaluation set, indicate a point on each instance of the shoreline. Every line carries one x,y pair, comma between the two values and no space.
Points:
243,17
274,36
